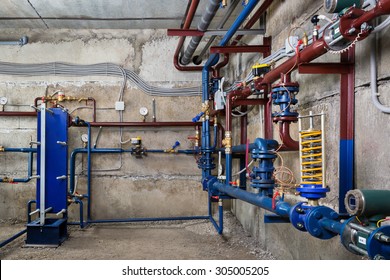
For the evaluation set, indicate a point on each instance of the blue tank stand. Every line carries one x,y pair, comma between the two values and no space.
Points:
51,234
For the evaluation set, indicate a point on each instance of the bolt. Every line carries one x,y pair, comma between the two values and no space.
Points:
317,215
364,26
352,30
334,215
316,232
300,225
299,210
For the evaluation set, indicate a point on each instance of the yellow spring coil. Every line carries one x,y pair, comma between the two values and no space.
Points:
311,149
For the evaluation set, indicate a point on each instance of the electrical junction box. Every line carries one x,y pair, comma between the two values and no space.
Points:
119,105
219,102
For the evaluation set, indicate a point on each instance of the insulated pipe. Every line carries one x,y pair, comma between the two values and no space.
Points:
204,23
232,7
187,24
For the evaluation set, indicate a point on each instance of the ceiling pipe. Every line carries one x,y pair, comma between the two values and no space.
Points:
204,23
232,7
187,24
21,42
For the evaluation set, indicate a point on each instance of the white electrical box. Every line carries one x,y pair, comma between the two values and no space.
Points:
119,105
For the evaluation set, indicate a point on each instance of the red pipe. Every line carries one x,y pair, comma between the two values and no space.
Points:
289,144
146,124
17,114
187,24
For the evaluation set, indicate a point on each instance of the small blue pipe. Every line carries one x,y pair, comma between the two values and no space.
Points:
9,240
29,171
20,150
130,220
81,204
89,171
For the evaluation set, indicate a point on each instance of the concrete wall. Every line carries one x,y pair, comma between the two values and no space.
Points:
155,186
317,93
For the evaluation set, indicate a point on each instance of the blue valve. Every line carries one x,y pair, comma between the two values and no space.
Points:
197,117
177,144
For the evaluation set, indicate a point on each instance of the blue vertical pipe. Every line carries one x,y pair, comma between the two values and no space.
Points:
89,172
213,59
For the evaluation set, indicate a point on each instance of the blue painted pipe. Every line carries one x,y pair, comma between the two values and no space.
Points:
282,208
89,171
20,150
29,170
2,244
213,59
130,220
78,201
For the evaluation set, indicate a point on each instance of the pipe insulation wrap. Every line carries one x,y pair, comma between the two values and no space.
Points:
204,23
99,69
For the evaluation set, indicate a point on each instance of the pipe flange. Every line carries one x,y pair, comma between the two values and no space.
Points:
313,224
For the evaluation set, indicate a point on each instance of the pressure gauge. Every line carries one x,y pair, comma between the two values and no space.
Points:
84,138
143,111
3,100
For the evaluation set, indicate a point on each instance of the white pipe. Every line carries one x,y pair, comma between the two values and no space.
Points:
373,75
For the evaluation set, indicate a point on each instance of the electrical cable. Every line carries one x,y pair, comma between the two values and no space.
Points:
99,69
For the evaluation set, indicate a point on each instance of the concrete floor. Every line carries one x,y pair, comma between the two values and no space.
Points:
162,240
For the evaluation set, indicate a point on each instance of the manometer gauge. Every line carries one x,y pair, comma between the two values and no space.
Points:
84,138
3,100
143,111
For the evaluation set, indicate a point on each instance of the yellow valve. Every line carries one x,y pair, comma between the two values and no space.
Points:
1,149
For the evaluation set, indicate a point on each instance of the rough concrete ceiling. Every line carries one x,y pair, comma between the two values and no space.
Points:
98,14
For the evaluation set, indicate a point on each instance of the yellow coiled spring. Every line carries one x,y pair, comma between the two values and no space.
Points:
311,157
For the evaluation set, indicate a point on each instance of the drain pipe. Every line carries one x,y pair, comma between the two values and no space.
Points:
21,42
213,59
204,23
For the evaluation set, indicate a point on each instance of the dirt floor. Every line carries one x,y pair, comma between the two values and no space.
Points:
155,240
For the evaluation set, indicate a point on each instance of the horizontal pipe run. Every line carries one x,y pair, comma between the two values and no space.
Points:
281,208
20,150
9,240
145,124
241,49
17,114
132,220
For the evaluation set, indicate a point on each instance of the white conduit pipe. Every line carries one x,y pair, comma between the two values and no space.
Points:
373,68
100,69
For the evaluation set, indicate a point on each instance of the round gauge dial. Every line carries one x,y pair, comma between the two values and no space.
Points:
3,100
84,138
143,111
